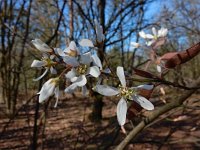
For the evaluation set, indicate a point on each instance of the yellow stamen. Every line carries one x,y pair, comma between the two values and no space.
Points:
82,69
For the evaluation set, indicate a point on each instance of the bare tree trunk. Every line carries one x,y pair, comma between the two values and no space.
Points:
10,72
98,99
71,17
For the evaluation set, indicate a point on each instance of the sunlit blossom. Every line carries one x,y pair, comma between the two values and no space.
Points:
47,62
41,46
49,89
81,69
156,39
126,94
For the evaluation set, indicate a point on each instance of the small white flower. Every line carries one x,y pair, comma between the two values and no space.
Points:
48,89
41,46
125,93
47,62
86,42
78,73
156,39
162,32
145,36
72,49
69,54
142,34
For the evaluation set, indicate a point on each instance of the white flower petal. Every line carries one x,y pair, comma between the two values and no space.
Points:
86,42
47,90
159,69
40,77
86,58
149,43
53,71
94,71
71,61
45,55
74,79
72,47
142,34
121,76
154,31
97,61
43,47
121,111
81,81
162,32
71,88
106,90
56,92
37,63
145,86
143,102
149,36
71,74
52,57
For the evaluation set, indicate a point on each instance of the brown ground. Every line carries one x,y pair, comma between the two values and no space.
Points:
68,127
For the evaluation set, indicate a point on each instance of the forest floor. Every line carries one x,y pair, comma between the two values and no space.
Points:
68,127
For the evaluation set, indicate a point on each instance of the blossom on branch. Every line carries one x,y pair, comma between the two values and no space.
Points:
47,62
41,46
48,89
81,69
71,50
126,94
156,39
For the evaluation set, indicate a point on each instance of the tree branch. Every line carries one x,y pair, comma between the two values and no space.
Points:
58,25
154,115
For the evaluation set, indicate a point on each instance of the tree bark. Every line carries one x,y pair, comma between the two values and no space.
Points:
71,16
98,99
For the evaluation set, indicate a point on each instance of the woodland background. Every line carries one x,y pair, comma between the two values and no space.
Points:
90,123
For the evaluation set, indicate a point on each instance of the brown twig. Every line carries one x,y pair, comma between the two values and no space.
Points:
155,114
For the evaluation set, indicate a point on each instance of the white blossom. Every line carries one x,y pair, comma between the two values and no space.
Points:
41,46
71,50
46,62
125,93
80,70
156,39
49,89
86,42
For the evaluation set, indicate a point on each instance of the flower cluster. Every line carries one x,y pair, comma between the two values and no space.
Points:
153,42
78,67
